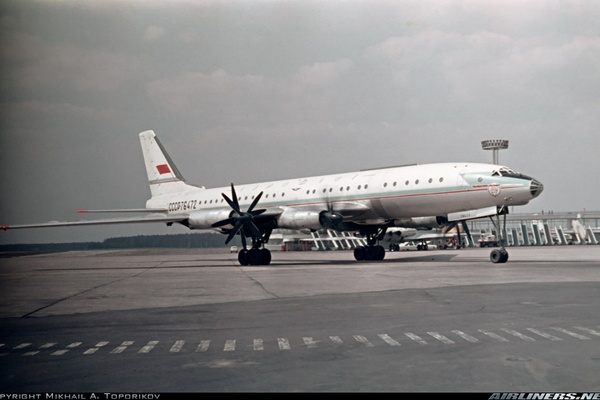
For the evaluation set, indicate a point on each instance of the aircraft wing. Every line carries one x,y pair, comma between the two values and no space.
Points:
106,221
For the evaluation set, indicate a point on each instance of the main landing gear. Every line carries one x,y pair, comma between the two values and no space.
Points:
254,256
500,256
372,251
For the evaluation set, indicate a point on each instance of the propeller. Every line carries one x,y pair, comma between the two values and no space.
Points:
241,221
330,218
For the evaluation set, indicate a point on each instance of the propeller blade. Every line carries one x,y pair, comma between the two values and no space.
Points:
235,229
235,199
255,202
233,205
243,236
253,229
228,221
257,212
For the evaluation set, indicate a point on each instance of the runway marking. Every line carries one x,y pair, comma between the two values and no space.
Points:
590,331
309,342
176,348
229,345
415,337
148,347
440,337
543,334
94,349
283,344
203,346
493,335
69,347
519,335
468,338
575,335
363,340
386,338
122,347
336,340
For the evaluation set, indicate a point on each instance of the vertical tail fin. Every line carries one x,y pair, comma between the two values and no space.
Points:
163,175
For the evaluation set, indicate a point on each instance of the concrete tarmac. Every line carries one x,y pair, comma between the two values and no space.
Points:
195,321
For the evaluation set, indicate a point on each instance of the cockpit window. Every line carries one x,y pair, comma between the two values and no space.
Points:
504,171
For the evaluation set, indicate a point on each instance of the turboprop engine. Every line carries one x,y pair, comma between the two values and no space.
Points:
422,222
311,220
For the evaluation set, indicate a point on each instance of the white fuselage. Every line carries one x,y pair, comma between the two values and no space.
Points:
371,196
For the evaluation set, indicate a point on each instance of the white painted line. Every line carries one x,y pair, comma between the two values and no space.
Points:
283,343
176,348
386,338
440,337
148,347
309,342
69,347
21,346
258,345
203,346
467,337
363,340
590,331
229,345
47,345
575,335
519,335
336,339
415,338
121,348
493,335
30,353
543,334
94,349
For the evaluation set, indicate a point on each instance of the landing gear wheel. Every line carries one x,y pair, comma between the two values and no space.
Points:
499,256
370,253
360,253
244,257
258,257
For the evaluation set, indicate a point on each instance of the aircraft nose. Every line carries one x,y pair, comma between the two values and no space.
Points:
535,188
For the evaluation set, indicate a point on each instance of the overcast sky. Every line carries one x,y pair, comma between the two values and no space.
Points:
247,91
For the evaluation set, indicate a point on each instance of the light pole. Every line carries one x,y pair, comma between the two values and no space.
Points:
495,145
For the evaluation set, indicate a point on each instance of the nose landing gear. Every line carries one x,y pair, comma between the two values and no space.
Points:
500,256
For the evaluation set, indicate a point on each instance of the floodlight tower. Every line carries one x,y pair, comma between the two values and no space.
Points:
495,145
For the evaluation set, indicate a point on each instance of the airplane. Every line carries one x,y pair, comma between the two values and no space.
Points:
365,202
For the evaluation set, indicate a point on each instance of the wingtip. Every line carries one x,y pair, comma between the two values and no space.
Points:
4,227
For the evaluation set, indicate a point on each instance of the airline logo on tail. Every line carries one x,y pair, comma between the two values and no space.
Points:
163,169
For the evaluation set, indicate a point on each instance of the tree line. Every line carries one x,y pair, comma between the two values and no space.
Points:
180,241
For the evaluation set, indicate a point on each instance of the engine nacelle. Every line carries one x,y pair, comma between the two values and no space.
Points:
204,219
422,222
300,220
